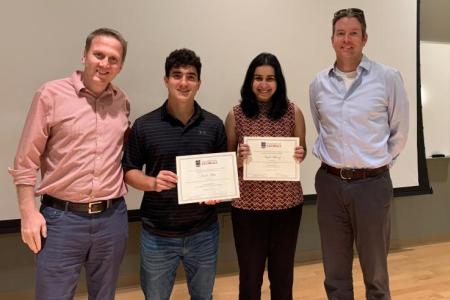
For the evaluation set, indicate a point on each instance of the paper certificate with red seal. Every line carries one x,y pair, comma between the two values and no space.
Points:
272,158
205,177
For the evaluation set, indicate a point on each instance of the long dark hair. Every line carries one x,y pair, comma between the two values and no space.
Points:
279,101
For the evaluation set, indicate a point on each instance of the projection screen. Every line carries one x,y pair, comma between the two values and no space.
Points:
44,40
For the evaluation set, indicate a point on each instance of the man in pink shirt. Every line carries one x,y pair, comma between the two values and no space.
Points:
74,135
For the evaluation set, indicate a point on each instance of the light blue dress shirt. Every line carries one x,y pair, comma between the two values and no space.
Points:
365,126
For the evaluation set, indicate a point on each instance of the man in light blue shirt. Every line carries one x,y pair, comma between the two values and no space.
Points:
360,110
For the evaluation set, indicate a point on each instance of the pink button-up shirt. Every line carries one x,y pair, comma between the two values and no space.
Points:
76,140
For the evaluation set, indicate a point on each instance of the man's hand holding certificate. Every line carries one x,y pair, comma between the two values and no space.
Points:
272,158
206,177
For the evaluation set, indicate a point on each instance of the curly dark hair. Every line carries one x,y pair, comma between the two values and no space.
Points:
183,57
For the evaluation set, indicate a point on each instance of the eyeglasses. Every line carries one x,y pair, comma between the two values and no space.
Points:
348,12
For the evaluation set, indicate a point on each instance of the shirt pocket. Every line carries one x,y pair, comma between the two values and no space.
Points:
68,128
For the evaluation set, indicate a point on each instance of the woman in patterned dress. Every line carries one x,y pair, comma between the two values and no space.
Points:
266,217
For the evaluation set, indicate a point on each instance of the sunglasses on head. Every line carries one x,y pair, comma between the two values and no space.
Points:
349,11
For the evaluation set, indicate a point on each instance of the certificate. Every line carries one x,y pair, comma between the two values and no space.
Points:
207,177
272,158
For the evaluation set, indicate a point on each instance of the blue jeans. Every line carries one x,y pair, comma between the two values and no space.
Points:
74,240
160,257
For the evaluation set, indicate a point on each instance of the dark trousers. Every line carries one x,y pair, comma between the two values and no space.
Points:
74,240
354,212
261,235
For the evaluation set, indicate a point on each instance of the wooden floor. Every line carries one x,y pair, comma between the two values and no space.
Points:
416,273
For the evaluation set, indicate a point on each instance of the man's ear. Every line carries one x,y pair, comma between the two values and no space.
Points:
365,37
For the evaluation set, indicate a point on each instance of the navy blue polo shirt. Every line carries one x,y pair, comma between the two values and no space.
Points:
155,140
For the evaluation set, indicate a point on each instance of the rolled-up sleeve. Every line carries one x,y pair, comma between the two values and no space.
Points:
32,143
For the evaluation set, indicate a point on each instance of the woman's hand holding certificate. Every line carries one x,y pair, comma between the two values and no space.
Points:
273,158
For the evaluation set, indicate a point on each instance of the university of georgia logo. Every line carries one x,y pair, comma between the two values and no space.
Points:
197,163
263,145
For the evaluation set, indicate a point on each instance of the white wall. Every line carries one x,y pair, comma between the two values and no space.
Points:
435,72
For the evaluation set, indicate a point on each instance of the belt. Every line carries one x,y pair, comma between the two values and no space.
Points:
354,174
89,208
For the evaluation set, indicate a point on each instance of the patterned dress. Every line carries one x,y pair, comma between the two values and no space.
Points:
266,195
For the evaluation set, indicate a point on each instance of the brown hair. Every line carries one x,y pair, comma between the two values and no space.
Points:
351,13
107,32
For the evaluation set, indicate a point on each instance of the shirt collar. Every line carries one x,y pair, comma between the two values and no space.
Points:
166,116
80,87
365,64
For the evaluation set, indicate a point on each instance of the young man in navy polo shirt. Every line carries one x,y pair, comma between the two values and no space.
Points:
172,232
